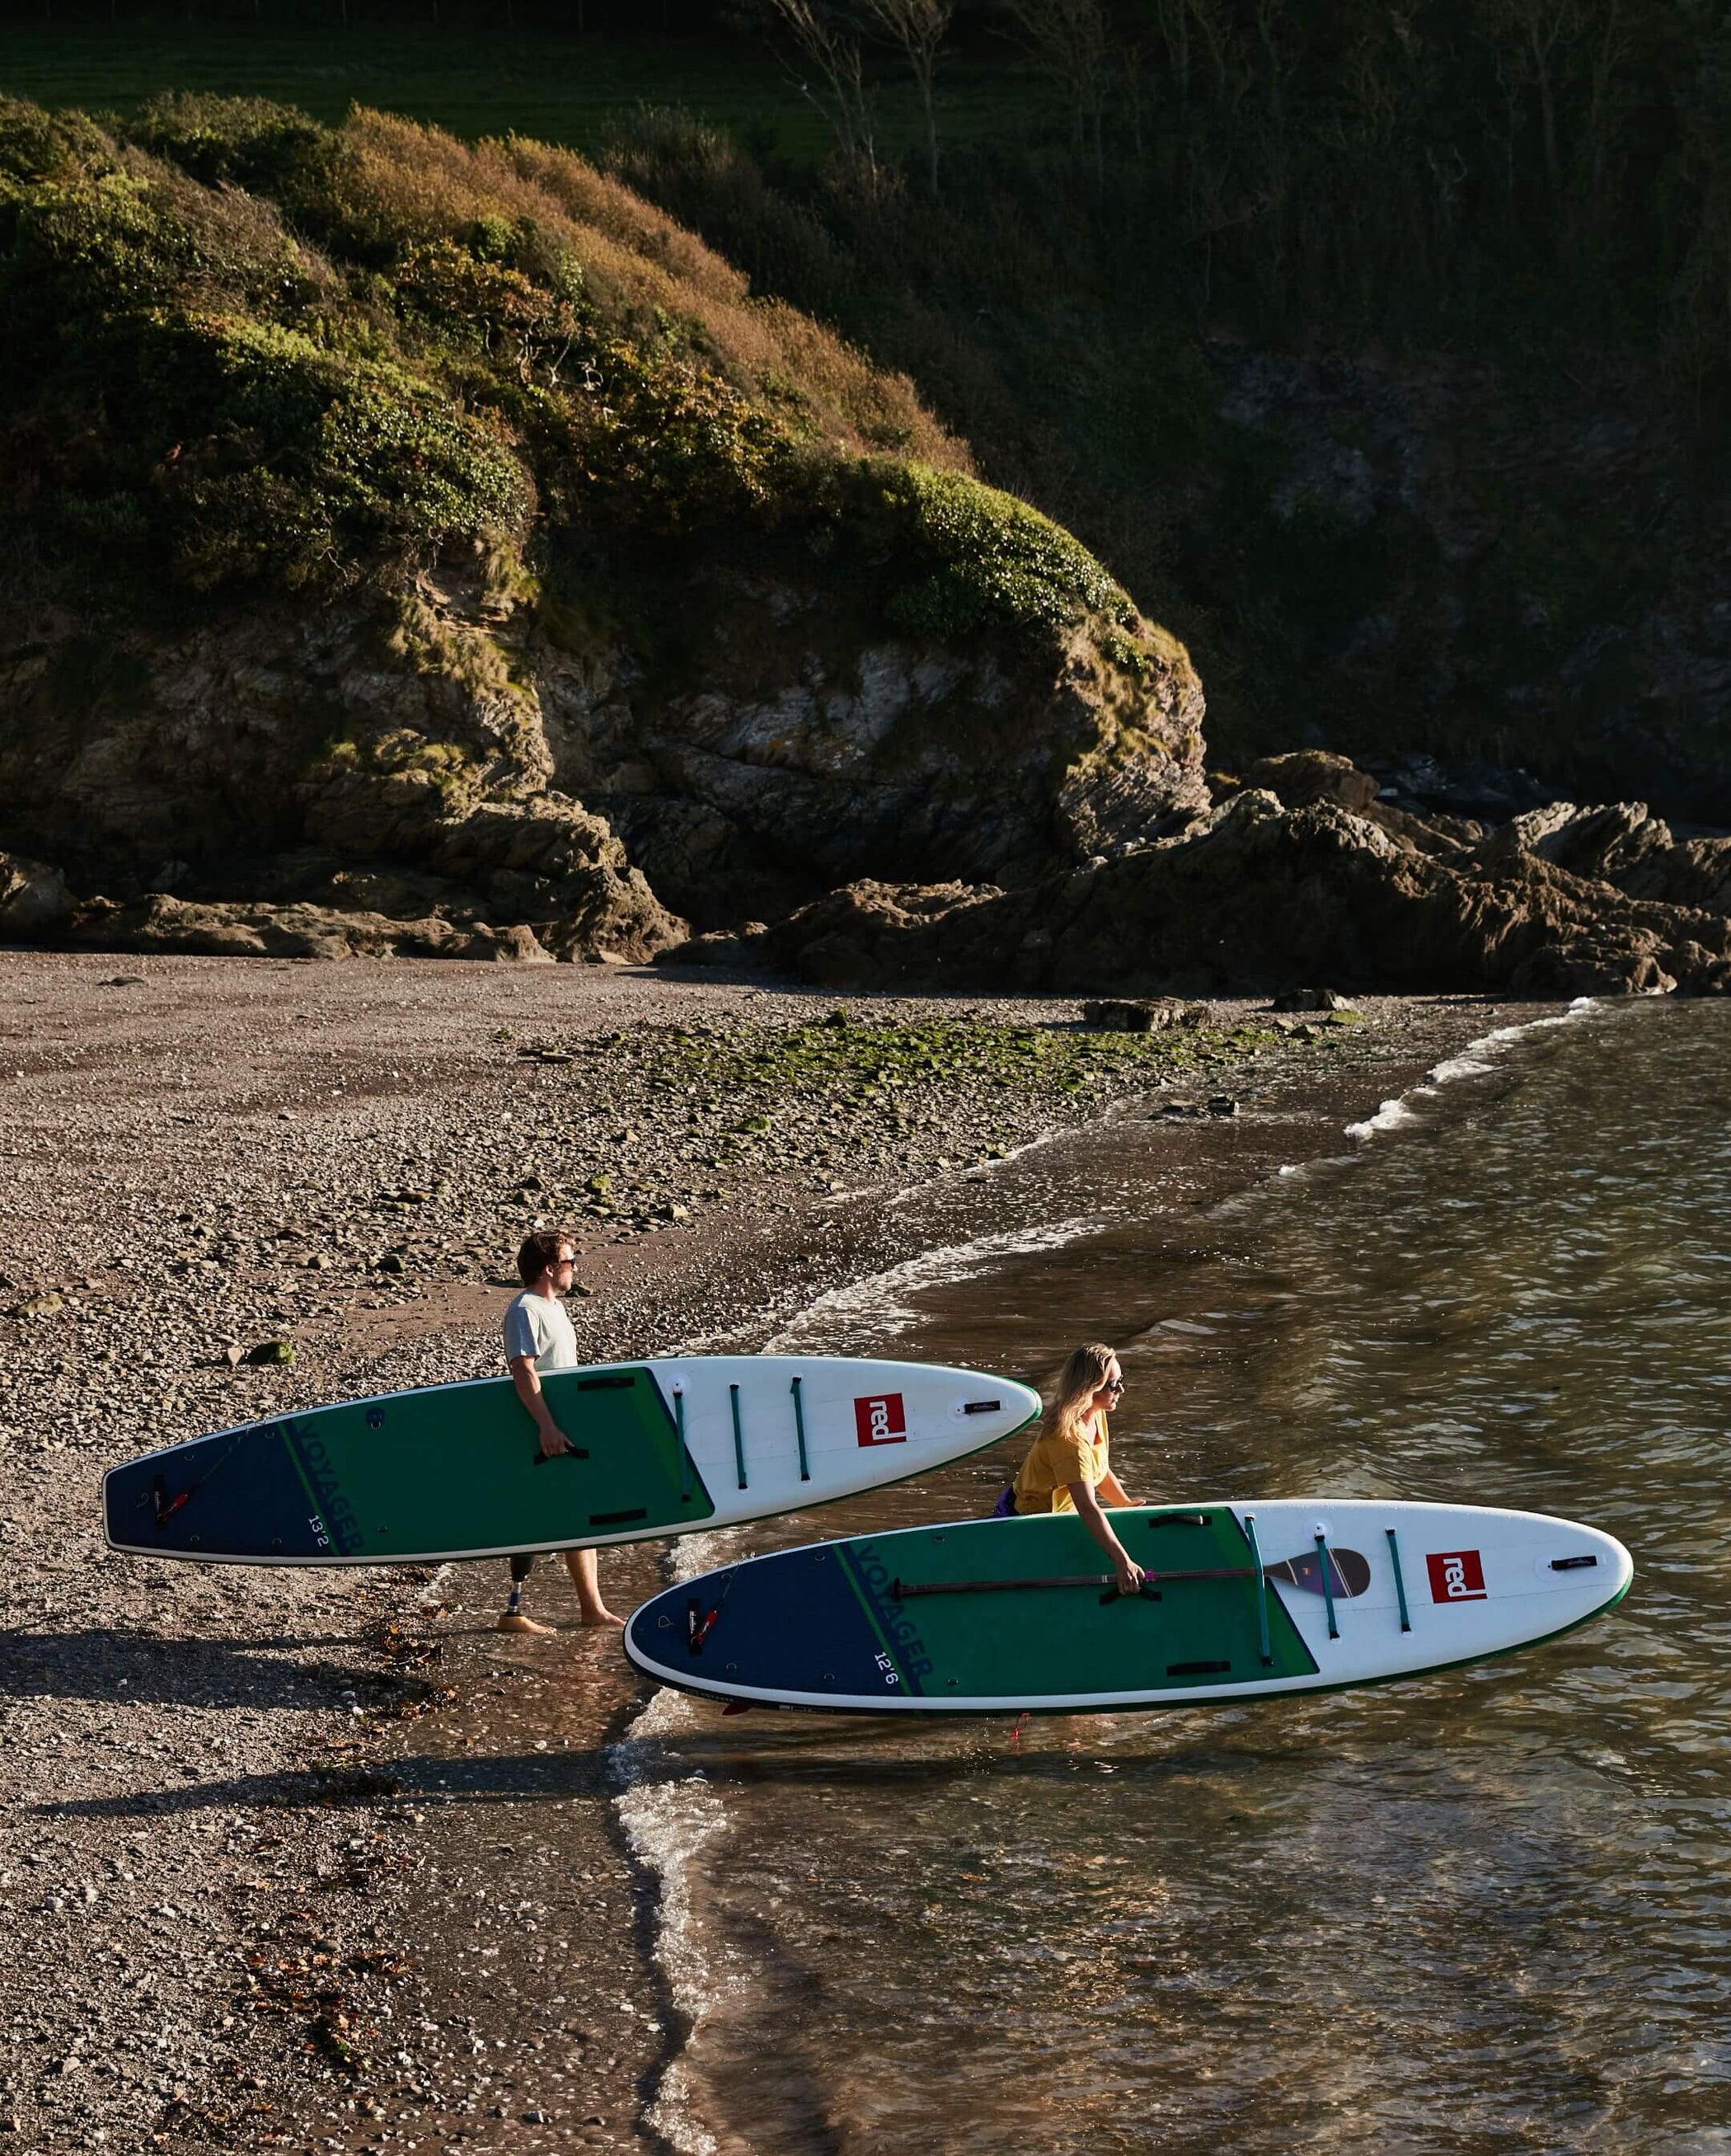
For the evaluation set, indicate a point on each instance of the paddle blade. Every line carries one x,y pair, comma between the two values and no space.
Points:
1349,1573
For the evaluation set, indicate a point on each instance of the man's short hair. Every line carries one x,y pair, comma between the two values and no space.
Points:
537,1255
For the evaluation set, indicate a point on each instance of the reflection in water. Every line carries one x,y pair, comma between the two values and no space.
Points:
1487,1911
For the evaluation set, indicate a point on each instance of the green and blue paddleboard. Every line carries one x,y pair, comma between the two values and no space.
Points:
1240,1602
658,1448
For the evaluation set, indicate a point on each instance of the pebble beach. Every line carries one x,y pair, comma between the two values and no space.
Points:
259,1853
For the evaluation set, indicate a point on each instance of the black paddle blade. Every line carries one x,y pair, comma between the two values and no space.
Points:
1349,1573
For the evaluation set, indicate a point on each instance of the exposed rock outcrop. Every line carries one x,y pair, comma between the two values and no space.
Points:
161,923
816,751
1256,898
33,897
284,760
1305,775
1313,774
1623,844
280,762
414,517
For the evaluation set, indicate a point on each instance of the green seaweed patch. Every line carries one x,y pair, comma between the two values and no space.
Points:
838,1096
739,1079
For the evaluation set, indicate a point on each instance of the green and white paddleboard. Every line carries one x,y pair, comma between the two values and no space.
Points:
660,1448
1241,1602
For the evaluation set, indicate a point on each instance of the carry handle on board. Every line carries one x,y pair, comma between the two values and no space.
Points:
604,1381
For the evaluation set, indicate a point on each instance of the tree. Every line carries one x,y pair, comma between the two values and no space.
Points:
1070,38
916,28
825,36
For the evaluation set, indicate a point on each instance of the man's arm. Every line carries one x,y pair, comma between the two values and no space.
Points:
528,1381
1087,1506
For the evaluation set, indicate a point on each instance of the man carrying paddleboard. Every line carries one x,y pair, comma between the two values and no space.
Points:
538,1337
1069,1468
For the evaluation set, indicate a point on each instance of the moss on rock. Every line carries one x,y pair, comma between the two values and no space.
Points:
978,559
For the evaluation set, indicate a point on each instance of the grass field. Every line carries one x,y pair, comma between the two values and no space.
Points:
569,89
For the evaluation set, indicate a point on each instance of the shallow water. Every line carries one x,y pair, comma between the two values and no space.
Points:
1490,1910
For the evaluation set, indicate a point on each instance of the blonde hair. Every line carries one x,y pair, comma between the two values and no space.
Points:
1081,1377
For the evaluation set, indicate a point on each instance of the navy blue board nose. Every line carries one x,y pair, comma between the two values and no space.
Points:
730,1629
201,1497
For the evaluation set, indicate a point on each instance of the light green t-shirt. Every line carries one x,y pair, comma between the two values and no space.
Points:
538,1325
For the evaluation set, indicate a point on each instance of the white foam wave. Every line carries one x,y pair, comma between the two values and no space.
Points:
849,1318
1473,1062
667,1825
668,1815
1389,1116
692,1554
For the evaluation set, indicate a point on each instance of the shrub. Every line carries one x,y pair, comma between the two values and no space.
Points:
240,348
248,143
308,458
988,561
36,146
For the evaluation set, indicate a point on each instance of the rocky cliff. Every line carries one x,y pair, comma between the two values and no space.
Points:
398,533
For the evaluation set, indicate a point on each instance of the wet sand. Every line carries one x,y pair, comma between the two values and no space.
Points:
321,1859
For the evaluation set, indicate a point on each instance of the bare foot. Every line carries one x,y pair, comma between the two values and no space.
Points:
517,1622
600,1615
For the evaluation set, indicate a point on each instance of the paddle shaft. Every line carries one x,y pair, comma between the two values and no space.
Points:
902,1589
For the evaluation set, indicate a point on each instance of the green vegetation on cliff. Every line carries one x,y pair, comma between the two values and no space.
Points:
245,353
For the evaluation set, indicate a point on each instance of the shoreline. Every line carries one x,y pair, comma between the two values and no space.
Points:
294,1951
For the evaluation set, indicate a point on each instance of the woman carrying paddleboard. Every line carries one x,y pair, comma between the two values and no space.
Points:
1069,1468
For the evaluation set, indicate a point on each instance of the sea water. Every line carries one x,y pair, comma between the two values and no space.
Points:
1488,1911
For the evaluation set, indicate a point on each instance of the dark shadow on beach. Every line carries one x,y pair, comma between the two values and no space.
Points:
510,1777
113,1664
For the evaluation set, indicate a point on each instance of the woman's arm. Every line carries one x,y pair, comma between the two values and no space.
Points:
1087,1506
1111,1490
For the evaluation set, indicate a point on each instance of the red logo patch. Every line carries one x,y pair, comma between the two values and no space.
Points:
881,1420
1455,1576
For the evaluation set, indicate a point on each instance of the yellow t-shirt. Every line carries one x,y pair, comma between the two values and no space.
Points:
1055,1462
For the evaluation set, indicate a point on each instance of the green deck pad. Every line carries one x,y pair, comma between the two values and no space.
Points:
461,1466
1062,1642
625,1466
